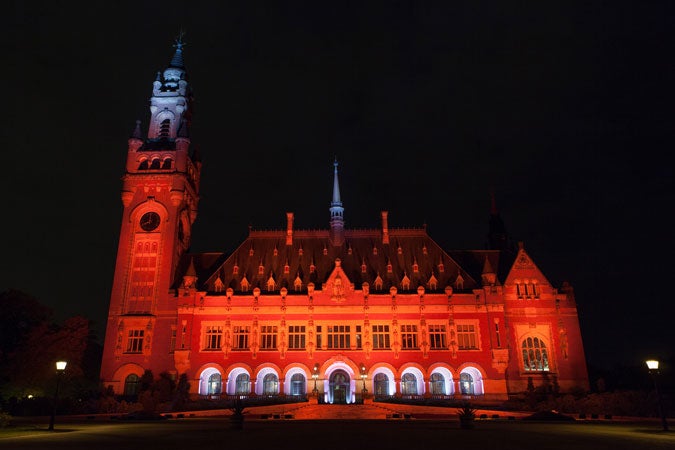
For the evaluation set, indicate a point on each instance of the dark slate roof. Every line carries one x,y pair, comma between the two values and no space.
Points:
406,247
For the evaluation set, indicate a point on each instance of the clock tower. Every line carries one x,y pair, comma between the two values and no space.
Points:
160,193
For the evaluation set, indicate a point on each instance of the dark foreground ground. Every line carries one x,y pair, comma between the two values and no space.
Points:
205,433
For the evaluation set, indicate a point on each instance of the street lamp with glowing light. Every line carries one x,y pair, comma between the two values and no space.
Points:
315,375
653,366
363,378
60,368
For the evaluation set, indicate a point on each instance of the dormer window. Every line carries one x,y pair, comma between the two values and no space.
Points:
250,252
399,250
433,283
390,269
405,283
235,270
312,268
325,251
245,285
271,283
300,252
378,282
349,250
297,284
424,250
416,267
218,285
261,269
375,251
363,266
276,252
441,267
287,268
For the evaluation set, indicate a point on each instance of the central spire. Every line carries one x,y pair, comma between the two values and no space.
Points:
337,237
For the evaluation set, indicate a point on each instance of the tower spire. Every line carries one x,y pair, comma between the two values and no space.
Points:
336,211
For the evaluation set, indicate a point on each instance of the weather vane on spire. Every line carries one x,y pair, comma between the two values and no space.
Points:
179,40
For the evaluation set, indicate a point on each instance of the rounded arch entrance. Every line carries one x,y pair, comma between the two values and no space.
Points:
339,391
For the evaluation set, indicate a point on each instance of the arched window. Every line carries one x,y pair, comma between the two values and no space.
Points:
298,384
131,384
215,385
437,384
143,165
408,384
243,384
155,164
535,356
166,164
466,383
165,128
270,384
381,383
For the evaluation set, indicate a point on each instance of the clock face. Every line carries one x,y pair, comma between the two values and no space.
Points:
149,221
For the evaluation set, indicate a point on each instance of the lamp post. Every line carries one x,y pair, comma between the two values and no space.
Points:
363,378
60,368
653,366
315,375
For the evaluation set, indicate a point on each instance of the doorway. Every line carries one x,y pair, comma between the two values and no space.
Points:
339,387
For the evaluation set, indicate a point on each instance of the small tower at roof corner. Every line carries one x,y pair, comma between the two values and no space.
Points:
497,237
337,225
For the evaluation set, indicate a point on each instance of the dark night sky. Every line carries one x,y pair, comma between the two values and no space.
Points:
566,111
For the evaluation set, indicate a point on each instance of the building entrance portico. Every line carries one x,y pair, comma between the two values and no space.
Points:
339,387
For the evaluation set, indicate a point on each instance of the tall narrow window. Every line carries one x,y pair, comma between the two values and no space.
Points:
381,337
499,340
172,341
213,338
466,337
241,334
535,355
437,337
381,382
359,343
409,337
268,337
319,337
135,341
466,384
143,271
296,337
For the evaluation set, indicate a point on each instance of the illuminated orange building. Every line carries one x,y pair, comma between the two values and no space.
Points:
327,312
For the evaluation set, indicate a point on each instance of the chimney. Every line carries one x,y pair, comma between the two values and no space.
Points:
385,228
289,228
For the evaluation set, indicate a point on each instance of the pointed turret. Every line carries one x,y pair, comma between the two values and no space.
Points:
497,236
337,237
488,275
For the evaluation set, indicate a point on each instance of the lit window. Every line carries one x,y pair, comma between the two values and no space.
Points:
437,384
409,337
296,337
437,337
270,384
535,355
268,337
214,384
135,341
466,337
241,334
408,384
214,336
298,384
381,337
243,384
338,336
